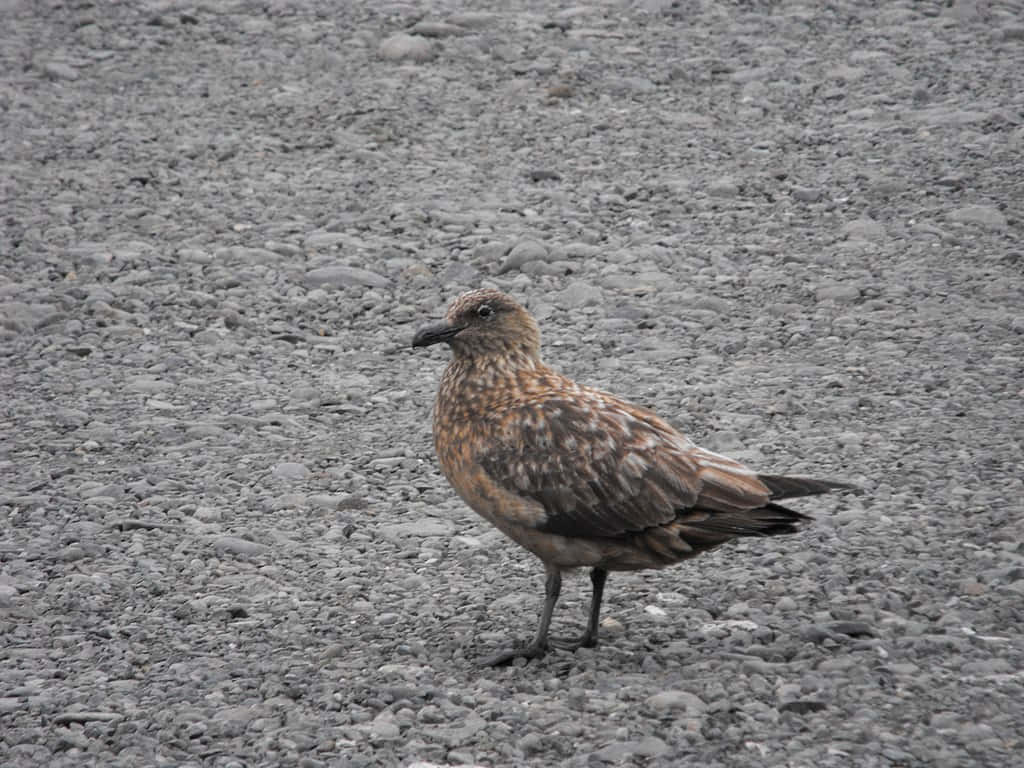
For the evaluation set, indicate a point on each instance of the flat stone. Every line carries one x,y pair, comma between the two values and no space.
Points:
723,188
325,240
807,194
238,546
58,70
993,666
473,19
839,293
986,216
148,384
437,29
580,294
428,526
579,250
20,316
71,417
341,276
651,746
291,470
383,730
208,514
491,251
667,701
86,716
619,751
864,229
616,752
522,253
403,47
238,254
946,116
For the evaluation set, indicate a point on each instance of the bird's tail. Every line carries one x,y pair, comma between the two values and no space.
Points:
792,487
769,520
773,519
703,529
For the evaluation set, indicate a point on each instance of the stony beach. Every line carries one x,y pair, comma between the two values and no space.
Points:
792,229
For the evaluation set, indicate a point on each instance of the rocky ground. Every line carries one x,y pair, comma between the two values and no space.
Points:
794,230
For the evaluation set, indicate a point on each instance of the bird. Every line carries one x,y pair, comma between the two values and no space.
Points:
575,475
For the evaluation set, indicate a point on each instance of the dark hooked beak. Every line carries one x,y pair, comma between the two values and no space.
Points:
434,334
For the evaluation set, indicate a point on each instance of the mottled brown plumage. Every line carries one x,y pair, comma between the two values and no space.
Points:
578,476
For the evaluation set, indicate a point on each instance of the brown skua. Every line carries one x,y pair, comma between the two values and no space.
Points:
577,476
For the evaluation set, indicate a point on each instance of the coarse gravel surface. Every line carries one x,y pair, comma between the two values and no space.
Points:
793,229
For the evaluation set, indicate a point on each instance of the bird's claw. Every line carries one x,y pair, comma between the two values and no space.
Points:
506,657
586,641
534,651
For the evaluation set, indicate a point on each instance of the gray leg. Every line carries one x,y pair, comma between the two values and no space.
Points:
539,646
598,576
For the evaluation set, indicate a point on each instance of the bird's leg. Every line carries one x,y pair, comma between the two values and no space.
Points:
539,646
598,576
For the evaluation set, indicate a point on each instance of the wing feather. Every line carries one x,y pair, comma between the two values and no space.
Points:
602,467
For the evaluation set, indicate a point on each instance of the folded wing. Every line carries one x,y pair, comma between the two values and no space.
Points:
601,467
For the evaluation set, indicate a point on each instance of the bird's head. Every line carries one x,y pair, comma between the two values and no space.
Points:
484,323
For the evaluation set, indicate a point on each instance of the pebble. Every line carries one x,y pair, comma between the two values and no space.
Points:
146,384
60,71
429,526
864,229
842,294
325,241
437,29
243,255
474,19
523,252
341,276
668,701
988,667
1012,32
578,295
786,603
723,188
980,215
86,716
238,546
382,730
630,85
404,47
291,470
807,194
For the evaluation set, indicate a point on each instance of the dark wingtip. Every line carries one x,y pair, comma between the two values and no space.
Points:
769,520
783,487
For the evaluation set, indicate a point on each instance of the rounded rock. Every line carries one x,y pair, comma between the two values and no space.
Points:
403,47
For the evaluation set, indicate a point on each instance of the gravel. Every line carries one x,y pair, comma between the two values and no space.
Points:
794,230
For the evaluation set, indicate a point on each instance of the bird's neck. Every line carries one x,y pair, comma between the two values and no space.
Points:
485,382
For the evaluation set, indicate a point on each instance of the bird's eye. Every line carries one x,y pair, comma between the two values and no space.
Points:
484,310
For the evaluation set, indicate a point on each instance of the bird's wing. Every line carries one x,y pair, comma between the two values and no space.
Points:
601,467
